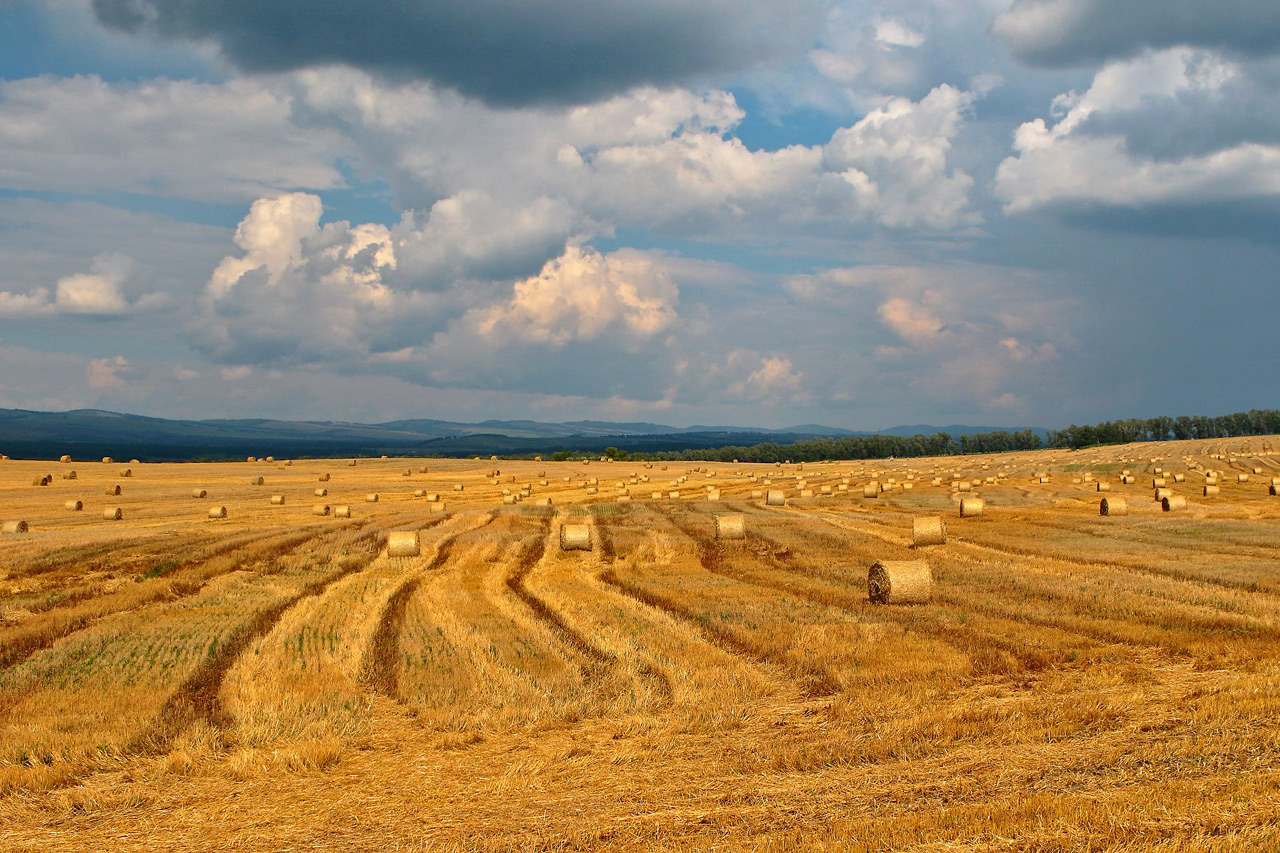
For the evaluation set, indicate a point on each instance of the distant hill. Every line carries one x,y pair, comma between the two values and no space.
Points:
93,433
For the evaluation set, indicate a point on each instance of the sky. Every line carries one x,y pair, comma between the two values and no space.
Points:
844,212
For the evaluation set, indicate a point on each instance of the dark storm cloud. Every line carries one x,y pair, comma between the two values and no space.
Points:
1060,33
505,52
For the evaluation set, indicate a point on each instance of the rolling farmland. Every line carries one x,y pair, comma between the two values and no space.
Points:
274,679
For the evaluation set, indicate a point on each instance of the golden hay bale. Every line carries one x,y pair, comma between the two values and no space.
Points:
433,497
624,498
1104,487
1158,482
372,498
403,543
64,458
74,506
218,512
112,513
1179,478
775,497
113,490
324,478
1242,478
419,493
11,528
673,495
321,493
928,530
871,490
107,460
1128,480
251,459
257,481
127,472
899,582
277,500
1257,470
41,481
1210,491
1174,502
655,496
732,526
970,507
510,499
70,475
1113,506
1210,480
269,459
713,494
351,464
436,506
458,487
342,511
806,493
547,501
826,490
1161,494
199,493
964,486
406,473
575,537
320,509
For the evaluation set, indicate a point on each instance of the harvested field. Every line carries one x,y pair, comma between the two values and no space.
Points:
275,680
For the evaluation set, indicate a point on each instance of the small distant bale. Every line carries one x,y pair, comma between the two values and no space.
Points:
419,493
1104,487
42,481
351,464
134,462
656,496
1179,478
403,543
623,498
1174,503
107,460
1128,479
277,500
928,530
218,512
257,481
1242,478
251,459
74,506
64,458
1113,506
199,493
806,493
592,490
113,490
1161,494
436,506
433,497
458,487
320,509
70,475
1257,470
1210,491
775,497
112,513
971,507
575,537
342,511
12,528
372,498
899,582
713,494
732,526
1158,482
673,495
322,493
127,472
324,478
269,459
871,490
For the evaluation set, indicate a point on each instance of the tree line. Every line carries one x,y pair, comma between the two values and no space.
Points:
1253,422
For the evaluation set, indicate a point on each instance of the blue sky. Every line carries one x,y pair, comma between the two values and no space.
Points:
1019,212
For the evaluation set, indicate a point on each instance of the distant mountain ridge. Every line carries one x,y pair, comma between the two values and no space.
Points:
93,433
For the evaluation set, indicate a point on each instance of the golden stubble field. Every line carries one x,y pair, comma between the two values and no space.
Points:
272,680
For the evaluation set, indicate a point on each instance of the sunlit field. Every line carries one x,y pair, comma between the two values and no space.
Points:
273,680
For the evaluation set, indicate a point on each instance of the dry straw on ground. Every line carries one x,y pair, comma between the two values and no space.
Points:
899,582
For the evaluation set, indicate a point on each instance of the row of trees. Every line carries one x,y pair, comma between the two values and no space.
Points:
1253,422
857,447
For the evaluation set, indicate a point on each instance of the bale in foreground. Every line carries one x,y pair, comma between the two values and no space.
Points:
775,497
403,543
13,527
899,582
732,526
575,537
1113,506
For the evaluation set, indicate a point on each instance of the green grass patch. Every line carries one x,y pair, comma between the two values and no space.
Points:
160,570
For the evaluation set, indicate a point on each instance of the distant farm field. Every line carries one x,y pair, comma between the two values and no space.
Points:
275,680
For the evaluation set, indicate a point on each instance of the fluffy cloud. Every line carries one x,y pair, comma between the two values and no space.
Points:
1067,32
584,295
96,293
222,142
107,373
502,51
1102,151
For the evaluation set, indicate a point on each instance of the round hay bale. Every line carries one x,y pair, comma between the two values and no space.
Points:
74,506
1273,489
458,487
673,495
623,498
324,478
1128,480
342,511
127,472
70,475
436,506
11,528
1161,494
575,537
372,498
64,458
107,460
277,500
1104,487
433,497
322,493
872,490
899,582
1179,478
732,526
713,494
592,490
1210,491
403,543
320,509
970,507
806,493
1113,506
218,512
928,530
419,493
775,497
1242,478
1173,502
199,493
656,496
510,499
257,481
113,490
351,464
1158,482
112,513
1211,481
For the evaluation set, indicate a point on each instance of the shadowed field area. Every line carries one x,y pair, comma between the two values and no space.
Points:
274,679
